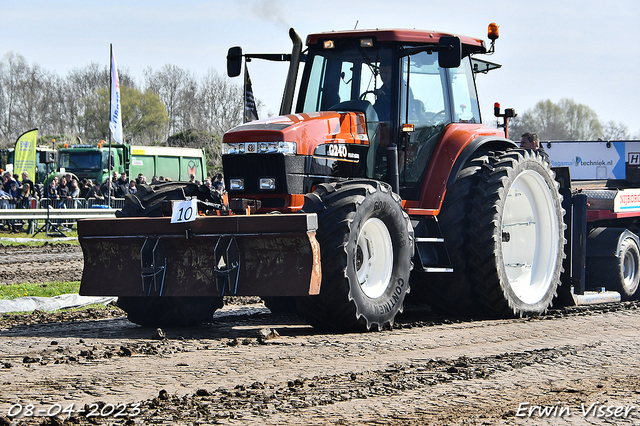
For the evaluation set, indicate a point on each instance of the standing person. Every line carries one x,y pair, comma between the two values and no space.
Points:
74,193
52,193
85,187
14,194
94,192
25,201
219,183
122,185
6,181
132,189
530,140
25,195
107,189
52,189
34,190
63,193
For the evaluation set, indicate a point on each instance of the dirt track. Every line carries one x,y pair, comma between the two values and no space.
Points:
51,262
425,371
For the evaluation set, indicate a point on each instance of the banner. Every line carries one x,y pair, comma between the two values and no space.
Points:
115,121
250,110
24,159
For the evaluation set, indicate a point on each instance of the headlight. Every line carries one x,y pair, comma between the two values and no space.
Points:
236,184
229,148
267,183
260,147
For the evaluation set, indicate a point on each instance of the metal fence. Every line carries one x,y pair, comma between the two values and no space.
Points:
45,214
70,203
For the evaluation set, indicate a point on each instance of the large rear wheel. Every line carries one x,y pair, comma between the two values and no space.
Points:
167,311
451,293
517,234
366,244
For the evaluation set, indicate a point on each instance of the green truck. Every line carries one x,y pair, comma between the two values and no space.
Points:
92,161
46,159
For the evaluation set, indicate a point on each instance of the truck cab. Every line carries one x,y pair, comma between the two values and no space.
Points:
92,161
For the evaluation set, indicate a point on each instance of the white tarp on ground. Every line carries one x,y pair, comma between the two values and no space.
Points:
40,240
32,303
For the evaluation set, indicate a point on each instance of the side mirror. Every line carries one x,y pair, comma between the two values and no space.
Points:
449,52
234,61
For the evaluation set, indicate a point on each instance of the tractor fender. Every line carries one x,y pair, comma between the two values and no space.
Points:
455,148
481,142
606,241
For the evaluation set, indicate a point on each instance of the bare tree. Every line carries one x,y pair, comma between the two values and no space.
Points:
566,120
615,131
582,122
170,83
81,84
220,102
173,101
13,70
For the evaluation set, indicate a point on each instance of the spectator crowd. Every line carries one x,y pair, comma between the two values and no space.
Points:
65,191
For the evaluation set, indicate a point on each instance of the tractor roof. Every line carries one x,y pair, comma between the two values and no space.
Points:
470,44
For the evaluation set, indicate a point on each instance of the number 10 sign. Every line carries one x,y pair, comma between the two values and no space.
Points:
185,211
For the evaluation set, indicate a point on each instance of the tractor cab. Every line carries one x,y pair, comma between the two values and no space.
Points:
371,104
409,84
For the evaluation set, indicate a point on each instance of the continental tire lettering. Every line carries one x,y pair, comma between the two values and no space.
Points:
395,298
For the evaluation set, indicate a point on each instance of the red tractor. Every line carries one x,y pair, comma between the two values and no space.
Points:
382,181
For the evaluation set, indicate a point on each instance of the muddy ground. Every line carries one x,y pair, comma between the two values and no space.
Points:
572,366
51,262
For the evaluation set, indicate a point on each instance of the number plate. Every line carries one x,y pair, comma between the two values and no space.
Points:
184,211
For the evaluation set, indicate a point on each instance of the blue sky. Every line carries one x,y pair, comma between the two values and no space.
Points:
584,50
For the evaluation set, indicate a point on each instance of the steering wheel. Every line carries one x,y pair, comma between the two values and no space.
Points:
438,115
364,95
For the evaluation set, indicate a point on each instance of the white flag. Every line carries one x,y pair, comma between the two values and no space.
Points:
115,121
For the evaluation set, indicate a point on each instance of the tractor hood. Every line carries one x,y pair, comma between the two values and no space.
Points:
306,130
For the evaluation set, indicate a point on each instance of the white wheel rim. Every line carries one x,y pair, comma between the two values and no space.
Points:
530,229
629,270
374,258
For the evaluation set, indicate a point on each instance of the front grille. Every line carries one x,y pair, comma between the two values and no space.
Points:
287,169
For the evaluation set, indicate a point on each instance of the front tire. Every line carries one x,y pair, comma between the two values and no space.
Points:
166,311
366,243
517,233
169,311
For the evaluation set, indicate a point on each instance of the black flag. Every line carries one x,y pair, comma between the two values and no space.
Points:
250,111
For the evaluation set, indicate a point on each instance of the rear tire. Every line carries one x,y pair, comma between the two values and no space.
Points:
619,273
366,244
517,234
166,311
451,293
